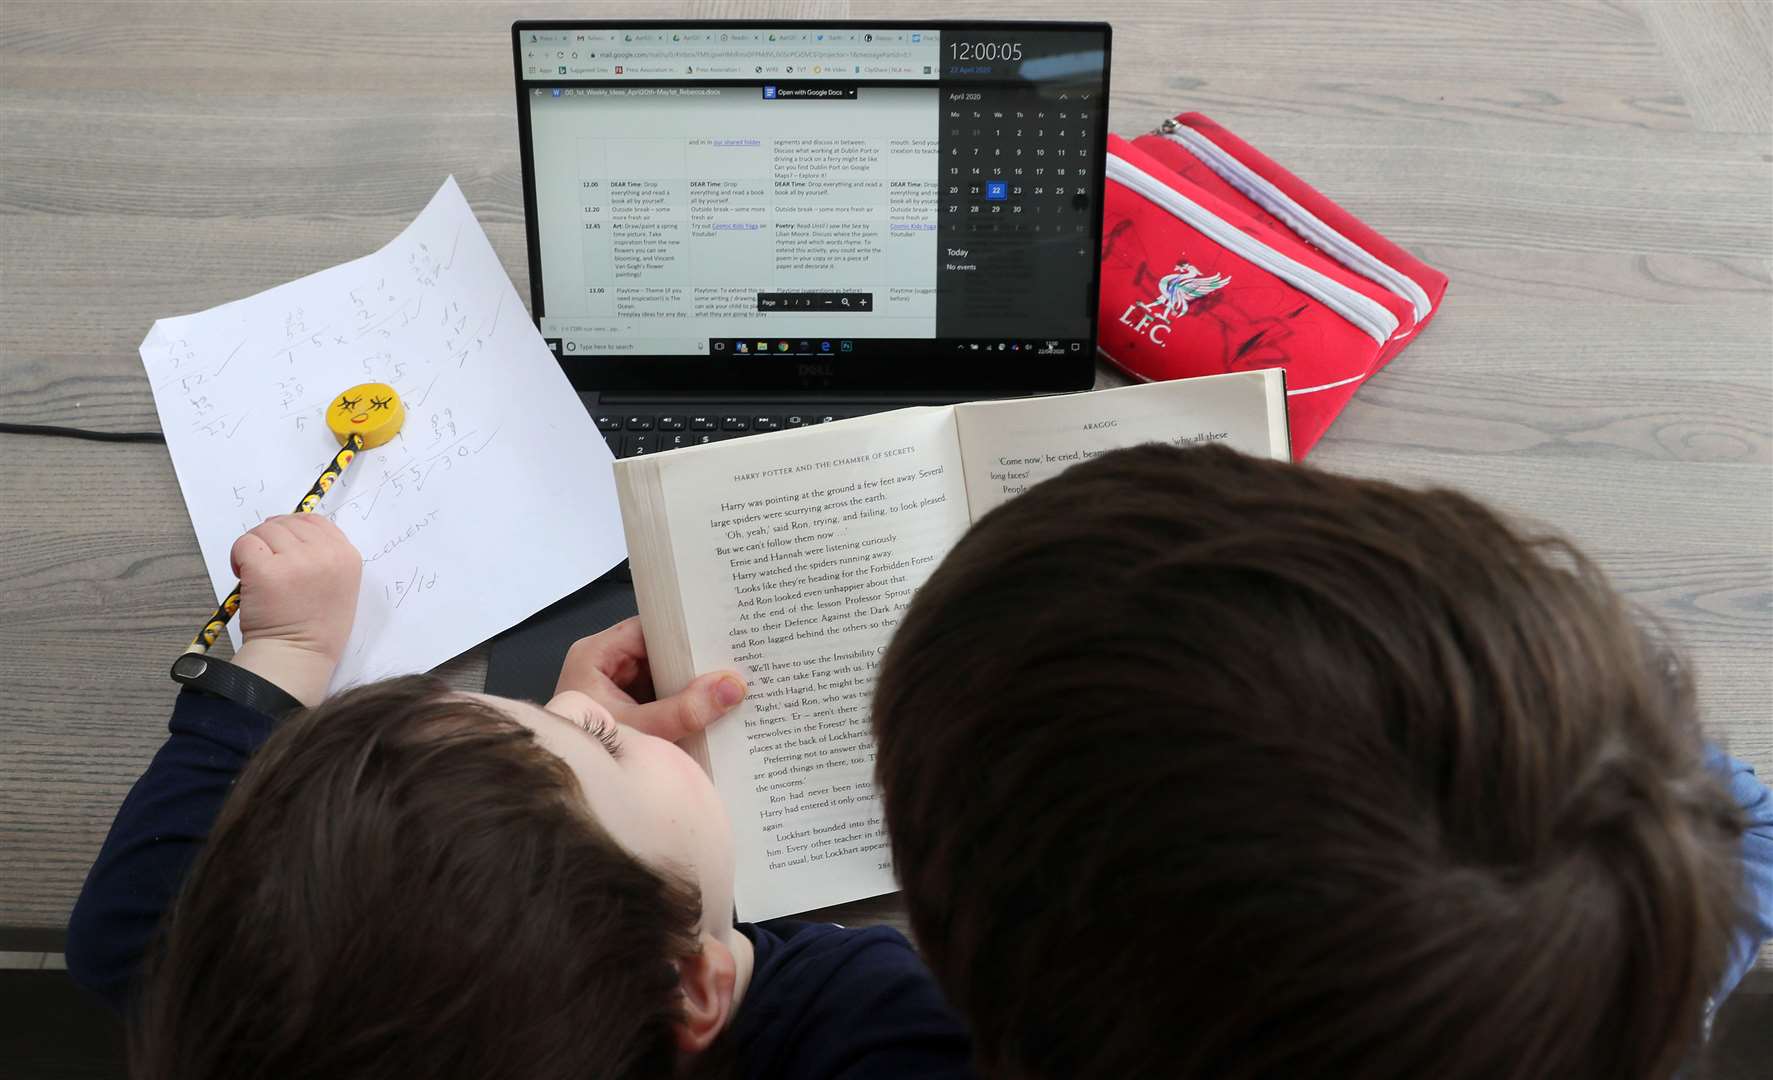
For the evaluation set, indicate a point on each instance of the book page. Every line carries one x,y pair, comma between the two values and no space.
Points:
795,556
1008,446
493,501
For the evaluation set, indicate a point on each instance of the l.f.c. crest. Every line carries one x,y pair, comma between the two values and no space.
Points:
1174,291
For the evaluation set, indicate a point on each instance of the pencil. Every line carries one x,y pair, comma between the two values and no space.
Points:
328,476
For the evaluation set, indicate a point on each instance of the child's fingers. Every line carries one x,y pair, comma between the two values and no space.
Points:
324,539
247,551
617,655
619,645
307,528
276,535
595,685
324,527
689,710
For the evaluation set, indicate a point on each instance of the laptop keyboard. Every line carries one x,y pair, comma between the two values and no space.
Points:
636,434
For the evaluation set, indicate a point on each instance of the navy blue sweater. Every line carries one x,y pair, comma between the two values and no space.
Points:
824,1001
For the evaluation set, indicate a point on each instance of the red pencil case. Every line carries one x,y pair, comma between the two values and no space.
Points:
1216,259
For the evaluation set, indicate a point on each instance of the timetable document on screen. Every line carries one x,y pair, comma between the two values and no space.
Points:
691,202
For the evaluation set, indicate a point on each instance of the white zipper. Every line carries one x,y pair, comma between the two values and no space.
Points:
1363,311
1265,194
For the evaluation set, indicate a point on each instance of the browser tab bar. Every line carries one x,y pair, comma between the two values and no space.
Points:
730,54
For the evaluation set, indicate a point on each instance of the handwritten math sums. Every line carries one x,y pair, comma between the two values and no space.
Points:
378,333
288,391
383,367
289,396
218,425
427,266
243,390
241,489
178,352
400,470
362,295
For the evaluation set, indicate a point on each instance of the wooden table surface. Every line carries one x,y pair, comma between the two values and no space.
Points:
1597,180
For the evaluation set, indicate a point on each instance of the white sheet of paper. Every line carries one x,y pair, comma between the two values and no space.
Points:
495,499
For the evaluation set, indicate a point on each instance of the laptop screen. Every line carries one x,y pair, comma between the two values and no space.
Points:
863,206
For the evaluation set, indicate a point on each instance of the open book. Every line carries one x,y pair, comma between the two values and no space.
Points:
791,556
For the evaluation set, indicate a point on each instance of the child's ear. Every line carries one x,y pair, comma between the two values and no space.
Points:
707,979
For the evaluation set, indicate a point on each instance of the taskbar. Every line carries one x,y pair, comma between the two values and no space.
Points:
819,347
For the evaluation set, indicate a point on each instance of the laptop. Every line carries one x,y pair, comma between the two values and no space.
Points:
740,227
747,226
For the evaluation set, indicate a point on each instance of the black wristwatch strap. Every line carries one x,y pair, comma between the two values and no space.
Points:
218,678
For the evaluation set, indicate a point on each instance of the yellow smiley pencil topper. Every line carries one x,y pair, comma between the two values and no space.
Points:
372,410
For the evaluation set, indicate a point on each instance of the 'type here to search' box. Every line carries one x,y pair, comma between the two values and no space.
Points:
807,92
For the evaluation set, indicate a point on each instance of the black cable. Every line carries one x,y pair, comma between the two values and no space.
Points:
82,433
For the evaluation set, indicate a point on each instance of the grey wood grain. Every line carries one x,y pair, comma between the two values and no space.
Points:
1720,52
1594,177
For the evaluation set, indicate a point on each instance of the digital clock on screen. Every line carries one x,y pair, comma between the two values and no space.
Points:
985,50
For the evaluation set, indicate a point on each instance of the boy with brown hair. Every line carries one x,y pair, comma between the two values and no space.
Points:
409,881
1197,765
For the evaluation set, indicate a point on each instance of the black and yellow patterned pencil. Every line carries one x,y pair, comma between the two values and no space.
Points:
362,418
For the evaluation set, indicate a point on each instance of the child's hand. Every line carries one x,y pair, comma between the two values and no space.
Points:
298,596
611,669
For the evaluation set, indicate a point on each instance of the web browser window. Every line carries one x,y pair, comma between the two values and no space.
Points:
728,192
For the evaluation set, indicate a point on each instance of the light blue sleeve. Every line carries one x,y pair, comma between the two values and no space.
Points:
1757,862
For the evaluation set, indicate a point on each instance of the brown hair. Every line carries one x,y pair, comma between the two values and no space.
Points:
1201,765
405,883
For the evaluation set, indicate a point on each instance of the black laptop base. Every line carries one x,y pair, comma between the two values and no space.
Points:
633,430
525,660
